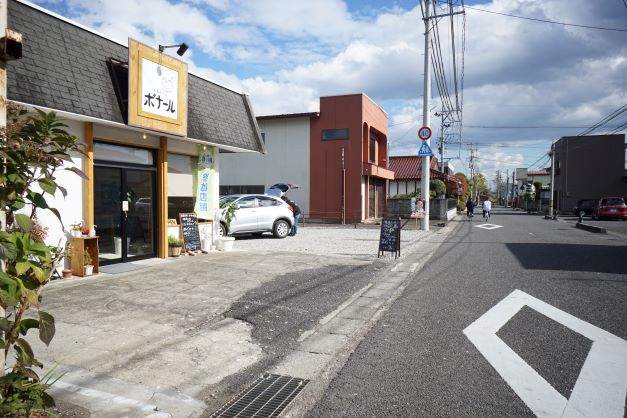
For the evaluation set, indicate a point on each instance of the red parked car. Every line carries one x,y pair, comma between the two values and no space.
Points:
610,207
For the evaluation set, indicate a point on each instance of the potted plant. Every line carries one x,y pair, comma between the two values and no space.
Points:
228,213
87,264
67,262
174,246
75,229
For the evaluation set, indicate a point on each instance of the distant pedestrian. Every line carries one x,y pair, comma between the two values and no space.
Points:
297,212
470,207
487,207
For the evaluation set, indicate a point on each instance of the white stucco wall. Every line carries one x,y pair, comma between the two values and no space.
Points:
287,160
71,207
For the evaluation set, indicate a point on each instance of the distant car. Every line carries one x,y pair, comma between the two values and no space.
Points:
256,214
610,207
584,207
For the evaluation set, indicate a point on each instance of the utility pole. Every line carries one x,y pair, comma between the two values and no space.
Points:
426,117
513,186
506,187
552,154
471,166
498,186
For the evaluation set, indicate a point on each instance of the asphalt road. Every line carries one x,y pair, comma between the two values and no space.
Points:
615,226
418,361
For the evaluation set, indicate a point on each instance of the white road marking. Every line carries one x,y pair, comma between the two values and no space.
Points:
413,267
397,266
488,226
602,383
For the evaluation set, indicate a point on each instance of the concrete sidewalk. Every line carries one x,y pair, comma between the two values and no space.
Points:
137,343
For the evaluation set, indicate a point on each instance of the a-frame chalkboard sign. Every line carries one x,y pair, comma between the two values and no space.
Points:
390,238
190,232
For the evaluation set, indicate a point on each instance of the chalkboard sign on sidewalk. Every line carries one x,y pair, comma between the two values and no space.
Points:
190,232
390,239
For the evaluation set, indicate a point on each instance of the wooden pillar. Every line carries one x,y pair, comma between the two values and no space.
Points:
88,169
162,192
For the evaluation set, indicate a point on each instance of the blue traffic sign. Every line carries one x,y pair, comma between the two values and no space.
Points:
425,150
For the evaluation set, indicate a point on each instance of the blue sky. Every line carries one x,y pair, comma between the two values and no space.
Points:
525,82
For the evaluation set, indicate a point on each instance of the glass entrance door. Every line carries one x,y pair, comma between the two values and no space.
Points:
124,213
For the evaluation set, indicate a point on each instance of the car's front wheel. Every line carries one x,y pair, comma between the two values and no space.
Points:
281,229
222,230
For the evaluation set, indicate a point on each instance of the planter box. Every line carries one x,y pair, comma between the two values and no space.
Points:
226,243
174,251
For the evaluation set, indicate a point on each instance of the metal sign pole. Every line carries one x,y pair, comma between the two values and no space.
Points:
426,172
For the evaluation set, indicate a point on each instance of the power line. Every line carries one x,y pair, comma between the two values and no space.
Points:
605,120
511,126
547,21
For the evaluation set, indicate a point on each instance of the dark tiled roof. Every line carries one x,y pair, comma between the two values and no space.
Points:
64,67
410,167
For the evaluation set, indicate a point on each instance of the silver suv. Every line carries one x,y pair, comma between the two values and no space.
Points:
256,214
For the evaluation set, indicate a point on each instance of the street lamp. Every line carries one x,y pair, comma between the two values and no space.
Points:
182,48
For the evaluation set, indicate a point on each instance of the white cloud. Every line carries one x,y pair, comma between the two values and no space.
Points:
517,72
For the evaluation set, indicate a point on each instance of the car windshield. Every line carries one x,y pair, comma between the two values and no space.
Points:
615,202
227,199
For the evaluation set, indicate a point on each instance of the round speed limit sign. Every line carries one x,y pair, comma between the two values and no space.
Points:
424,133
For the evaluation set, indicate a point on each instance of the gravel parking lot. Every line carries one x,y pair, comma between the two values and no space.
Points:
333,240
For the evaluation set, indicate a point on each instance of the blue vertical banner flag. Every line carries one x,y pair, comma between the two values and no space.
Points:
206,172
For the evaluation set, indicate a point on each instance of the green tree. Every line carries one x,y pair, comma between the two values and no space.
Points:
437,188
538,186
482,186
32,148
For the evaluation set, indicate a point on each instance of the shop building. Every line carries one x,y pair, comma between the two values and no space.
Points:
338,156
141,149
589,167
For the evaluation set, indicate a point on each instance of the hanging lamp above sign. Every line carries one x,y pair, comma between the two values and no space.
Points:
157,98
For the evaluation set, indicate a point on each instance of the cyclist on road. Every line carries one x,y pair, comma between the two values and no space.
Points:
470,207
487,207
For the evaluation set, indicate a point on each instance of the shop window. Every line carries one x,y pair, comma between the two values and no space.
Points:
122,154
334,134
181,184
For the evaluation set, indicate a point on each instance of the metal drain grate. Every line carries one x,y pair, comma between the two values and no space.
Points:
267,397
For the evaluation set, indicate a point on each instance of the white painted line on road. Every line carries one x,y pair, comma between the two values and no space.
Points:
109,398
397,266
488,226
602,383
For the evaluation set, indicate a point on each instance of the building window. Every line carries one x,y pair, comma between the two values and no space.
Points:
372,154
333,134
181,184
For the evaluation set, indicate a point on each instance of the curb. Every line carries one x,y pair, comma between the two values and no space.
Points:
327,354
591,228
